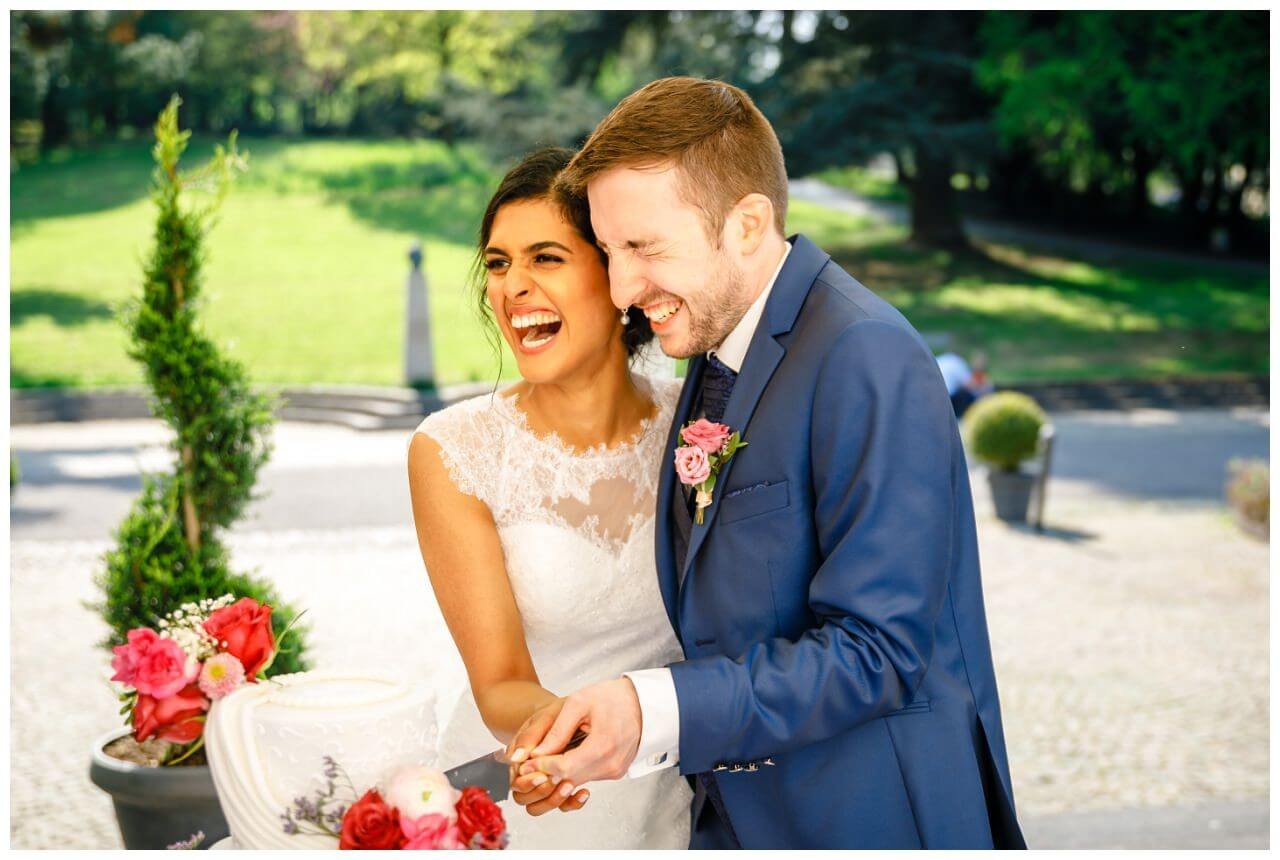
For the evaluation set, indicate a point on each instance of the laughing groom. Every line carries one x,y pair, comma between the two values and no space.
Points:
838,689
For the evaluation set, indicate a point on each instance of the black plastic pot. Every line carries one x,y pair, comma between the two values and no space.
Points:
158,806
1011,492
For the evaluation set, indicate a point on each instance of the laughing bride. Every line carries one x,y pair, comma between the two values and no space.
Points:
534,508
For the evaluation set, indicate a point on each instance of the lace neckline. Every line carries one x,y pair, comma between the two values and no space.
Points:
508,408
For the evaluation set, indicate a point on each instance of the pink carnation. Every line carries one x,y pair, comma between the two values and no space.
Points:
127,656
153,665
165,669
707,435
692,465
430,832
222,674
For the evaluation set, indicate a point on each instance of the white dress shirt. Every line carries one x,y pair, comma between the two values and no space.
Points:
655,688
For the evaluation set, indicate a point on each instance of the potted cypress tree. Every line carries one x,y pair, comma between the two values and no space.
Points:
169,561
1003,431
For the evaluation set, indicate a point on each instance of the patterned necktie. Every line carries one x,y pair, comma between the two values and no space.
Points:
717,385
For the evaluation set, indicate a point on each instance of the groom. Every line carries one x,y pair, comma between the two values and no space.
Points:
838,689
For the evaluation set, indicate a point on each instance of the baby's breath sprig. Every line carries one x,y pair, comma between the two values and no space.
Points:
185,625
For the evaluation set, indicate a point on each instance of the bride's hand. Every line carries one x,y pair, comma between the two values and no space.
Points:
538,792
532,731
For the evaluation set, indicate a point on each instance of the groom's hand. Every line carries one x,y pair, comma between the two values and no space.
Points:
609,712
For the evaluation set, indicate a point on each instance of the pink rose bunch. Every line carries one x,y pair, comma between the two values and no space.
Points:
707,447
173,676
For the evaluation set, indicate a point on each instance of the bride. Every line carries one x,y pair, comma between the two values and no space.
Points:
534,508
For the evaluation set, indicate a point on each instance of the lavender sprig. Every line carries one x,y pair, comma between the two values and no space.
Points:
321,813
189,844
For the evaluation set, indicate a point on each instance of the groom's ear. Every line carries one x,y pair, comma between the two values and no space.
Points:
750,222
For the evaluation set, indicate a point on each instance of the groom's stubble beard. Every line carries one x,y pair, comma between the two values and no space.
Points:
720,307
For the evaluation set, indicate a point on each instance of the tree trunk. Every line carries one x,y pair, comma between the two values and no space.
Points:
1235,212
935,219
1139,201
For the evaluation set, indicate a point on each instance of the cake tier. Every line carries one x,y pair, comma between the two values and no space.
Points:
267,742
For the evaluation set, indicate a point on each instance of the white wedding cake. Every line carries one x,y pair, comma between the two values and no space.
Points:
266,744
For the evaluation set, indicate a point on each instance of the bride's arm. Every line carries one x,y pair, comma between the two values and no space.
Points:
464,560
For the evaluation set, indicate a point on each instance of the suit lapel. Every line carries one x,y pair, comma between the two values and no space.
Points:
669,494
763,357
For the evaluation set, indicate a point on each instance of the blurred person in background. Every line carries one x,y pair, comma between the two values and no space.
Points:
965,382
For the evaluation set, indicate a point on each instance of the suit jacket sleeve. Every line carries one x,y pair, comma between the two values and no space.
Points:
882,452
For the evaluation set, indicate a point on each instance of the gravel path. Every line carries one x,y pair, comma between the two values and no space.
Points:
1131,648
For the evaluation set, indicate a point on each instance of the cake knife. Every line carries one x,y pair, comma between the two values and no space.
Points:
492,771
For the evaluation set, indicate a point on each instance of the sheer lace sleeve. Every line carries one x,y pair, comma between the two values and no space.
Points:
470,441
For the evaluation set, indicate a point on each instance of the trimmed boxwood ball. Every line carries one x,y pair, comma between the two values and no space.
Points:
1003,429
1249,493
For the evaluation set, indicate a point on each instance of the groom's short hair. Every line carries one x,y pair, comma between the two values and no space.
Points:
720,143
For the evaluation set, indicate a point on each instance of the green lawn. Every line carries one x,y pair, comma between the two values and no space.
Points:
862,181
1039,316
306,268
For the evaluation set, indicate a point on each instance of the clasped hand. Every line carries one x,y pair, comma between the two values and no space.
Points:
544,773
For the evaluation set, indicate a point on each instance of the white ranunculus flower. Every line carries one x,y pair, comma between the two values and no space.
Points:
419,791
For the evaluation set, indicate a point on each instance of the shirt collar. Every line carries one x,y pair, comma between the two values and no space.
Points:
733,352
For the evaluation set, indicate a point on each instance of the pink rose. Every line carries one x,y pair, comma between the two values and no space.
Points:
164,669
128,656
707,435
692,465
431,832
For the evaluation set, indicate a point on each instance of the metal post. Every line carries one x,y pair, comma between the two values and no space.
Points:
419,369
1042,479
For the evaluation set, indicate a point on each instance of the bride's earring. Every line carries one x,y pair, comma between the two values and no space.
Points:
626,318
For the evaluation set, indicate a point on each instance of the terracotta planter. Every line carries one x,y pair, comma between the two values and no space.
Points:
157,806
1011,492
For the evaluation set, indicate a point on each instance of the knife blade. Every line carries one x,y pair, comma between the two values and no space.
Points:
492,771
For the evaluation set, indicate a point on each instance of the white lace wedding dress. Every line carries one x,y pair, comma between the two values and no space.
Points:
577,534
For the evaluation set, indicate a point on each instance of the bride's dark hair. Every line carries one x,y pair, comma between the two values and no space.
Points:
534,178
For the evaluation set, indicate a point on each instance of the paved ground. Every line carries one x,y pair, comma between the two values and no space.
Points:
1131,639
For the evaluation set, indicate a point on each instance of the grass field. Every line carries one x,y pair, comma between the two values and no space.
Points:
306,269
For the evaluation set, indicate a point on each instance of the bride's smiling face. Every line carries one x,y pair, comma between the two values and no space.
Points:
549,291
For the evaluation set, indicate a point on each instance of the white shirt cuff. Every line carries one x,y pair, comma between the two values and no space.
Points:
660,726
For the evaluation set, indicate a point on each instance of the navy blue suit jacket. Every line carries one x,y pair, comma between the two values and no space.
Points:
830,606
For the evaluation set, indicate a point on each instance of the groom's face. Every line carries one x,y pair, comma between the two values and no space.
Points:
662,261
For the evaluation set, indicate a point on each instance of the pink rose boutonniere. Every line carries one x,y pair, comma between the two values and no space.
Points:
707,447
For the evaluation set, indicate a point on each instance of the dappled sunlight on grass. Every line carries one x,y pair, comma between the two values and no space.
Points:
1039,315
1045,305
